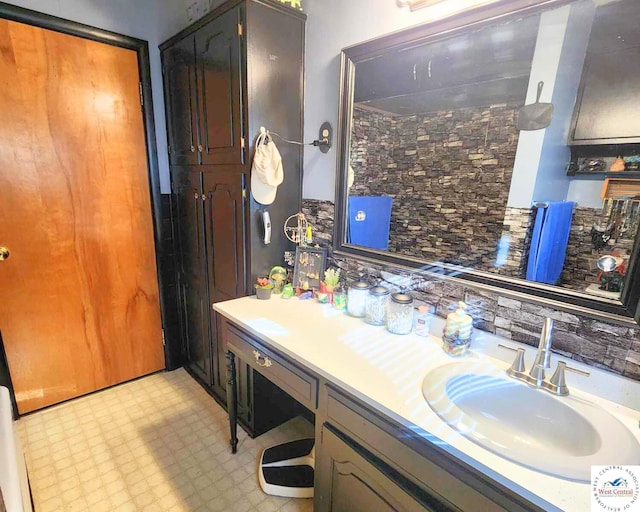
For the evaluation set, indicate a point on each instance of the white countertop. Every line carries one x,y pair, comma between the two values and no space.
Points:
386,371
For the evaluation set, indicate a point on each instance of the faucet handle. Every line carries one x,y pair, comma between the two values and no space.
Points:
517,367
558,384
575,370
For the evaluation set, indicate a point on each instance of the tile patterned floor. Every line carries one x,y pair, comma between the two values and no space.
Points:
156,444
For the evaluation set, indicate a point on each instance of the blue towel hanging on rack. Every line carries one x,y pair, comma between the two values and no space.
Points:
369,221
549,242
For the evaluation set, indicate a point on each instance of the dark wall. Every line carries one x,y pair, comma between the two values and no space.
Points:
174,350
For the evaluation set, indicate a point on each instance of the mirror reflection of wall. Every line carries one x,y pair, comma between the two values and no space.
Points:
508,149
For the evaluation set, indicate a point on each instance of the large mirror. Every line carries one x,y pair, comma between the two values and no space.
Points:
500,147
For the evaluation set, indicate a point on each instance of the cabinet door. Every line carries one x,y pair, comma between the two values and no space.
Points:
609,111
225,241
195,303
179,65
348,479
220,90
225,238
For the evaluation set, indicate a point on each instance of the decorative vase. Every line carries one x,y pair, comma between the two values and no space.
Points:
263,293
329,290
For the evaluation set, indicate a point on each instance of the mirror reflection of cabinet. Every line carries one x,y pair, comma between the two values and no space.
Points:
608,108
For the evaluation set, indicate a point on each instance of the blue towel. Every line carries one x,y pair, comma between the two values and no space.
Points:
369,220
549,242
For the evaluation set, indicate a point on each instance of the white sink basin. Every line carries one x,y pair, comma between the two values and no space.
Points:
561,436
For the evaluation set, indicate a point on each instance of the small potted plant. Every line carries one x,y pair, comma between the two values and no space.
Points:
263,288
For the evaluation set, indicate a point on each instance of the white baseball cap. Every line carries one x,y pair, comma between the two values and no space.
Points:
266,172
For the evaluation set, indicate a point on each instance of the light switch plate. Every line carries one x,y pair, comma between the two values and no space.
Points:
197,9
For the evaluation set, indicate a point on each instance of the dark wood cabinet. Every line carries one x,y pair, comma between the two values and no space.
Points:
192,285
236,69
607,109
225,247
219,90
355,481
210,223
204,94
179,67
225,229
364,460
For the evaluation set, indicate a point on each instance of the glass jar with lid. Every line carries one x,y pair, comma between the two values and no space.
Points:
357,298
376,305
400,313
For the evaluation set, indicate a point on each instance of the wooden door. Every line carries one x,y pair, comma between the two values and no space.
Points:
193,272
80,308
219,87
225,237
179,66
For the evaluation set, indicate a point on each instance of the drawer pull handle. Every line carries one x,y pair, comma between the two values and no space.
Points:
262,360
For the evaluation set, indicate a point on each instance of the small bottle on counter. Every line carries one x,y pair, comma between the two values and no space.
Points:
400,313
357,298
457,331
339,299
376,305
424,315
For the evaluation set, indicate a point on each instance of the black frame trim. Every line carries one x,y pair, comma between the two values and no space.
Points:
141,47
625,312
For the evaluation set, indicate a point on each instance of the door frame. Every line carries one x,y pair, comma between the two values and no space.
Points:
162,241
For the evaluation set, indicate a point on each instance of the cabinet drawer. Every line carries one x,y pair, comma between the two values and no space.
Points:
438,473
278,369
350,481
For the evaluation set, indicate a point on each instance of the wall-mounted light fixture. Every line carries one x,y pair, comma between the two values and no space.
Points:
417,4
323,142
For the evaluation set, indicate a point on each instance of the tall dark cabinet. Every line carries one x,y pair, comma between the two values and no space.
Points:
237,69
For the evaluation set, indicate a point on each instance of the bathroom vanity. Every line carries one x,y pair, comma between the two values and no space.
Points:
379,445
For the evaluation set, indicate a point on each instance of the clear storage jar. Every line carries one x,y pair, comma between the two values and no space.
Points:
400,313
357,298
376,305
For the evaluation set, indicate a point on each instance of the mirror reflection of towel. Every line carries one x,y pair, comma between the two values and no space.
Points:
369,221
549,242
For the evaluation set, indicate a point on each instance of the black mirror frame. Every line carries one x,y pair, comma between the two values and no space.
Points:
625,312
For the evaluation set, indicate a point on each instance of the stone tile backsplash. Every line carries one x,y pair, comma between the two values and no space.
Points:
455,166
609,346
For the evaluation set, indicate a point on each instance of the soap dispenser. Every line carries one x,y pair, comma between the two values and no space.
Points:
457,331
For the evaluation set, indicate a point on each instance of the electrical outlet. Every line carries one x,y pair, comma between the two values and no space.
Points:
192,12
198,8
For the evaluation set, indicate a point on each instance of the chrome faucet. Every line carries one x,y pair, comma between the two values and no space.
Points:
543,356
536,376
